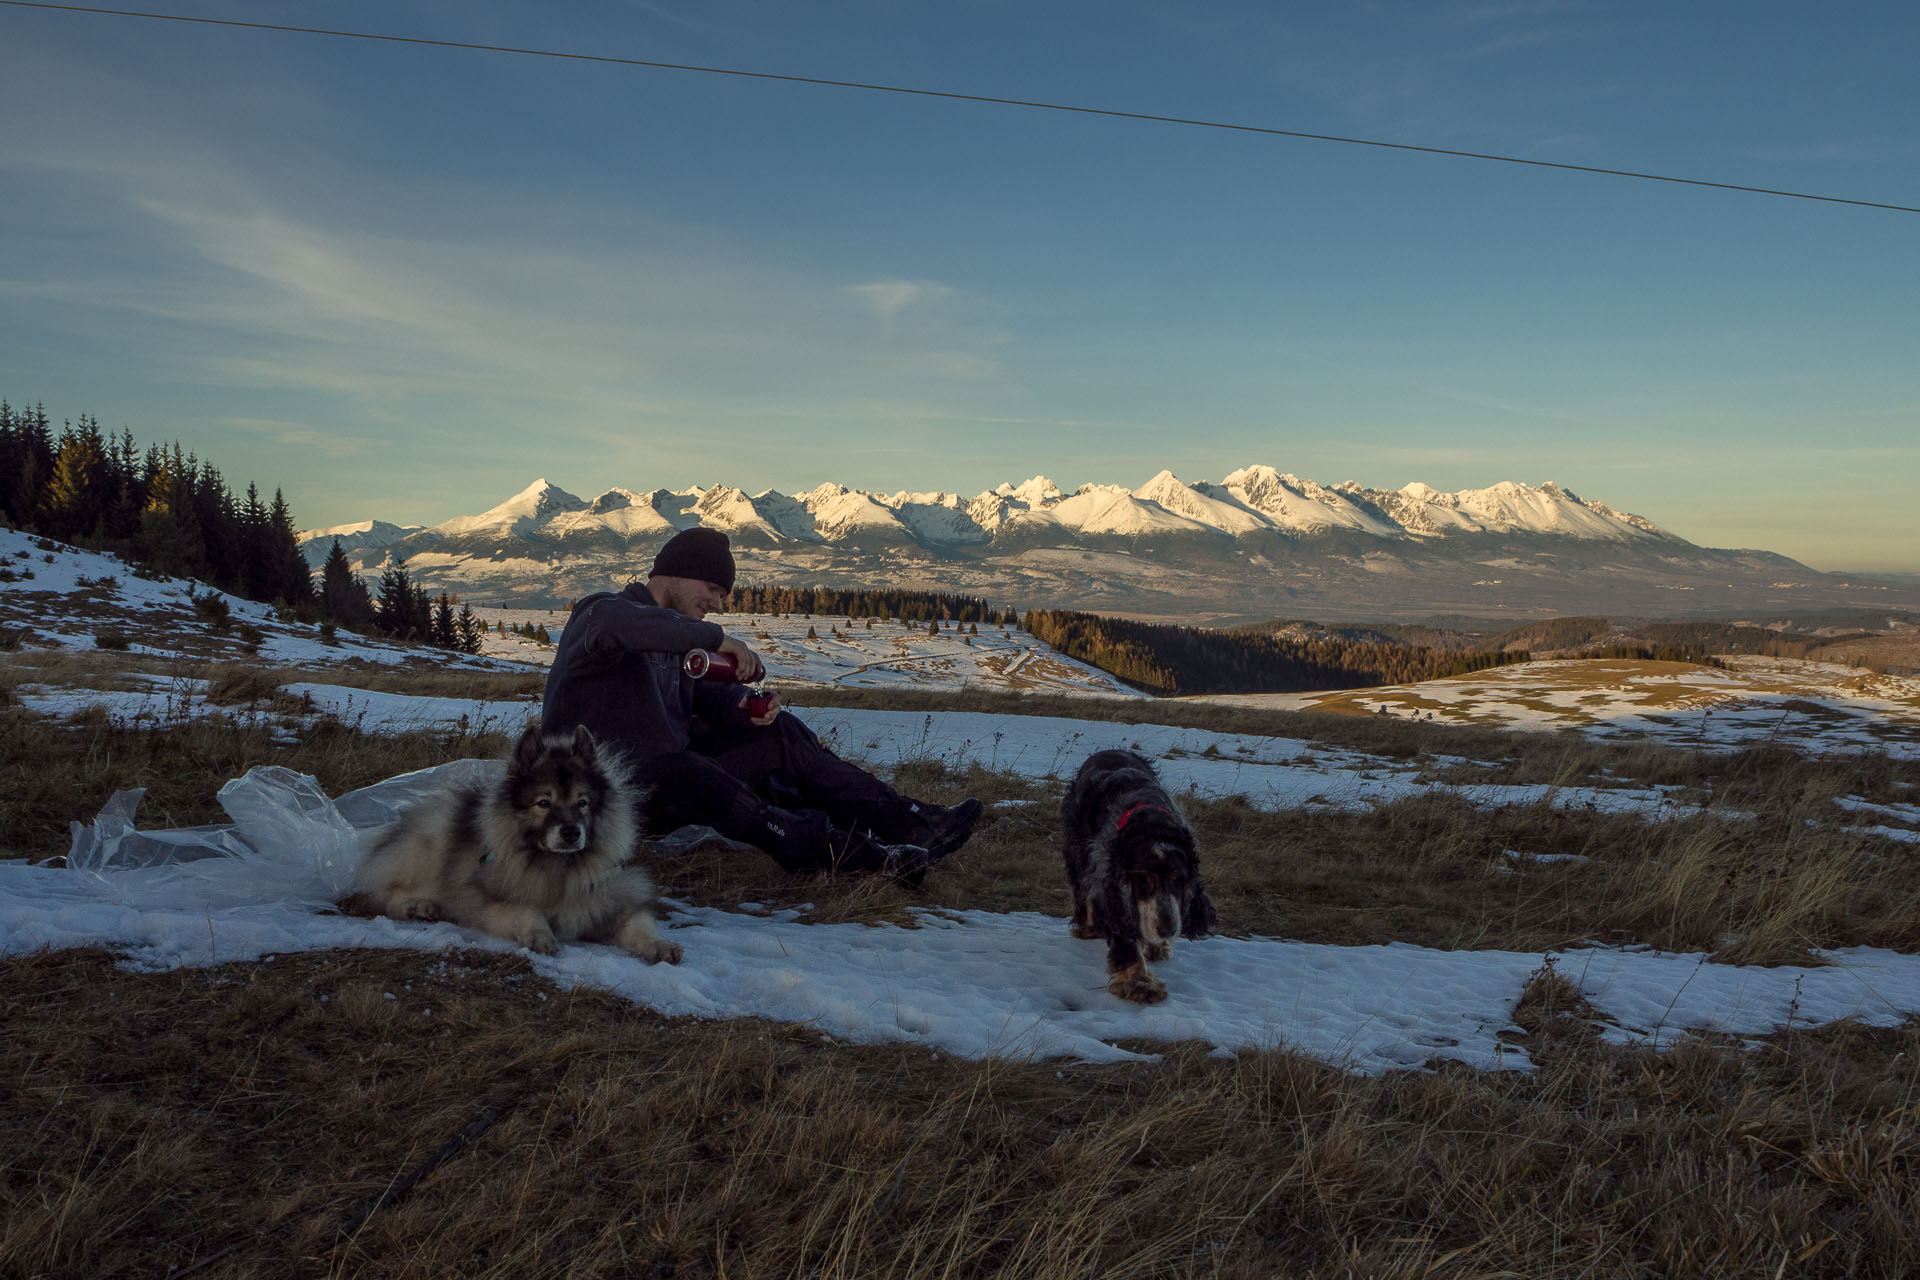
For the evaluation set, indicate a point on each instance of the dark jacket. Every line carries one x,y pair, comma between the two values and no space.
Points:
618,672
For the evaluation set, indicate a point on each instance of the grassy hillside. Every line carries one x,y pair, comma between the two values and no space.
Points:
1884,642
433,1114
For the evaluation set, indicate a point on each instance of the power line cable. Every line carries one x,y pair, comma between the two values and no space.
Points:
957,97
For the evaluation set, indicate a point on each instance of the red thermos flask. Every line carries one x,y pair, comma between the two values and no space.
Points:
705,664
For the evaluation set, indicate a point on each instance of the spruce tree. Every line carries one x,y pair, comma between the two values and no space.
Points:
420,614
469,628
292,580
222,536
10,451
253,562
75,503
343,597
394,607
34,463
445,631
129,494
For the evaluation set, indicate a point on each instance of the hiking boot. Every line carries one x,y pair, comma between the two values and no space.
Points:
908,864
946,829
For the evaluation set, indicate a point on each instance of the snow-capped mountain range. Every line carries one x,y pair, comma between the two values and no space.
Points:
1258,543
1254,499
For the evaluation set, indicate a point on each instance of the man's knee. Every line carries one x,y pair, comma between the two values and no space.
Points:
683,787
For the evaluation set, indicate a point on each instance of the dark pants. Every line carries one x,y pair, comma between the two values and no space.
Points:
780,789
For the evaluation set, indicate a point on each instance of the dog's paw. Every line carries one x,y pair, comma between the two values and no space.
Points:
418,909
536,935
1155,951
659,951
1137,986
639,934
1079,930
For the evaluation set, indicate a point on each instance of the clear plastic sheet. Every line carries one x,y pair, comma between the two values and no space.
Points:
288,842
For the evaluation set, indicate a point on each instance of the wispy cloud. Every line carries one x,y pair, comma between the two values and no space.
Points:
331,443
888,298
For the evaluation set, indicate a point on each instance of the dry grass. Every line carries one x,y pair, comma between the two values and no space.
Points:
240,1117
1745,776
1431,869
1897,654
54,772
236,1119
433,682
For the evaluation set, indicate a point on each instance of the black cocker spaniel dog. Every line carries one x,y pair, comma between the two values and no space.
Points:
1133,868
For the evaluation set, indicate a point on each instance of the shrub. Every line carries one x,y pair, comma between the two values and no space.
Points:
213,609
111,638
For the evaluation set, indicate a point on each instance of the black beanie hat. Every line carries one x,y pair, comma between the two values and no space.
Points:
697,553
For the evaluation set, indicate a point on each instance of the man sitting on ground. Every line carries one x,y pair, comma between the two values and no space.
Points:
766,779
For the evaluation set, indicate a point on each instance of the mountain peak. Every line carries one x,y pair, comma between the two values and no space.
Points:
1039,491
522,513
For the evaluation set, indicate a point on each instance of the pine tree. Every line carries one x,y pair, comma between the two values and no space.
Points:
469,629
168,538
10,453
129,495
291,578
420,614
222,535
34,463
394,606
75,503
343,597
253,561
444,632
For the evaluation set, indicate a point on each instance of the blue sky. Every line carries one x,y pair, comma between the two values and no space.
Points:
402,282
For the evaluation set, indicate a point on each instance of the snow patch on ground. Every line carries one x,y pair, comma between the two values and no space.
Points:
973,983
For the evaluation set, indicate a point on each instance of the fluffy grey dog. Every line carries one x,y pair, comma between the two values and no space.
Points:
539,855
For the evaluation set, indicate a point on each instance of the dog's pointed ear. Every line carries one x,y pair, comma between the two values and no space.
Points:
1197,919
584,743
527,750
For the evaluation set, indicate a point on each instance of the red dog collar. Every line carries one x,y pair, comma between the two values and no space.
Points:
1121,825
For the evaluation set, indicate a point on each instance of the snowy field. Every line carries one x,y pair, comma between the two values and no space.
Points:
59,597
1816,707
971,983
848,653
966,982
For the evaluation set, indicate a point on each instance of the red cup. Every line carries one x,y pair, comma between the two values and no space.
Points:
758,704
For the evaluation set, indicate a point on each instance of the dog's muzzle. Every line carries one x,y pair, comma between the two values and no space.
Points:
566,837
1159,919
